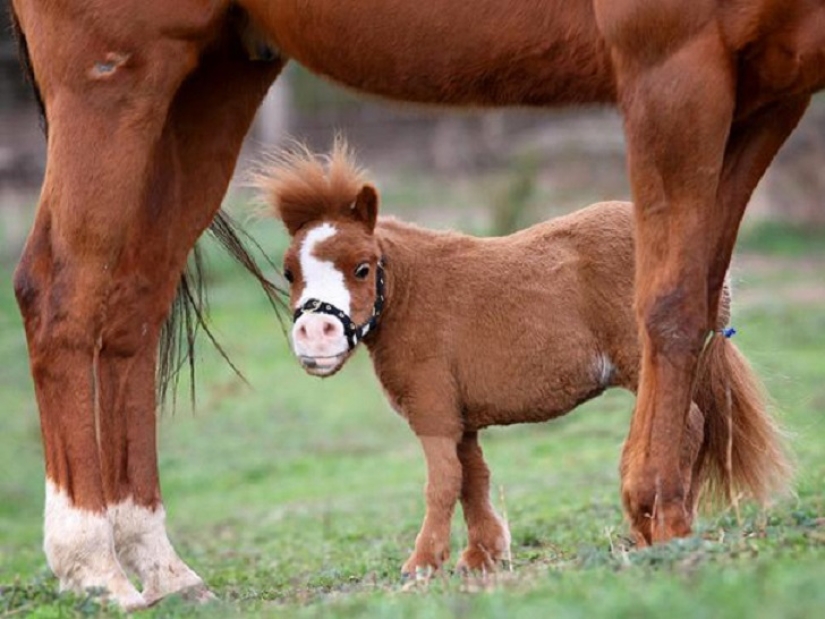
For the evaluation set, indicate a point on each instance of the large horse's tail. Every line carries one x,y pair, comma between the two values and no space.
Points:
189,314
743,452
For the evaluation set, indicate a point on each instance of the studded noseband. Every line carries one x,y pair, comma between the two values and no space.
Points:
354,333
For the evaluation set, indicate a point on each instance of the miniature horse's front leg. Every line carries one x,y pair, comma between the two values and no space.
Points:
437,424
432,545
488,540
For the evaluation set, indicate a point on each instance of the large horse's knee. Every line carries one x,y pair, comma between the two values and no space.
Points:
135,311
46,290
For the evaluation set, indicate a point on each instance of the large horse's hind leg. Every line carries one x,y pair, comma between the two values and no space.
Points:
677,95
691,463
693,169
124,198
753,143
488,538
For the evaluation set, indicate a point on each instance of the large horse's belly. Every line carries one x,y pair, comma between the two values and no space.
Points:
484,52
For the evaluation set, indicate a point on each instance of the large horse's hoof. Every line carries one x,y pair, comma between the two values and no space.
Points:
658,523
128,601
197,593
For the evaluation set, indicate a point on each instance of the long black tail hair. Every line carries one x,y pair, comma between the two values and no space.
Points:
189,312
188,315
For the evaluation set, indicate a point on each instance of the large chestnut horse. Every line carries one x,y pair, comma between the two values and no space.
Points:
147,103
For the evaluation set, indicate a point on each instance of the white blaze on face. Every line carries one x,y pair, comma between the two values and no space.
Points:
321,279
318,338
144,549
80,549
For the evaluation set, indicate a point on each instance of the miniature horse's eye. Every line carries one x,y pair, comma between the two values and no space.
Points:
288,276
362,270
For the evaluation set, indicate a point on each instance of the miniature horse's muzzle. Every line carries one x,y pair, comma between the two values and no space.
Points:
354,333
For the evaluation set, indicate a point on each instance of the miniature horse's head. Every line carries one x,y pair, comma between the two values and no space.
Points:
333,263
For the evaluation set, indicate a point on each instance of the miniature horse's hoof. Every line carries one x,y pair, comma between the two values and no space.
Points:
421,574
422,565
477,559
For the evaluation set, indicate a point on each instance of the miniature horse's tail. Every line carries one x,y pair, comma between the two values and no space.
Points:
743,451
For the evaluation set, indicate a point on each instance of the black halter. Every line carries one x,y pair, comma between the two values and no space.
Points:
353,332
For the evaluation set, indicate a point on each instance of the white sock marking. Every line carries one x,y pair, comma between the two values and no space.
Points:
80,550
144,548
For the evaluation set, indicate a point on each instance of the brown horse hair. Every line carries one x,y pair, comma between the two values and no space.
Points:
297,186
189,313
190,309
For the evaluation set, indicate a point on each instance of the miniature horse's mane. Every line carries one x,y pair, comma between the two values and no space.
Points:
299,186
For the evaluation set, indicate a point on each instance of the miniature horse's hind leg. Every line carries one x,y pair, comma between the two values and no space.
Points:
488,540
139,154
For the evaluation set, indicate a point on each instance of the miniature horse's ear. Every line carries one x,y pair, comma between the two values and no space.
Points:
365,207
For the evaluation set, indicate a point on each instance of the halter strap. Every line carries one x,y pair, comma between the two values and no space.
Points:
354,333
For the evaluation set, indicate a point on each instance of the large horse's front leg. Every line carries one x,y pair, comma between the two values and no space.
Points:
139,154
194,161
677,95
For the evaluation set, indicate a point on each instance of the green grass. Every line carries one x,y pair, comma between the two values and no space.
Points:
295,496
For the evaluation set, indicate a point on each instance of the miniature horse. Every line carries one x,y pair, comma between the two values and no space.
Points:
146,104
466,333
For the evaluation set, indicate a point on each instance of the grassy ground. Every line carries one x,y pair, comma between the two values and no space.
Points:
300,497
